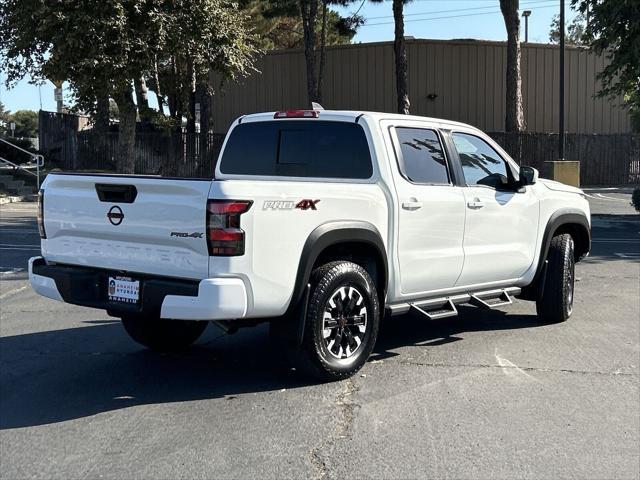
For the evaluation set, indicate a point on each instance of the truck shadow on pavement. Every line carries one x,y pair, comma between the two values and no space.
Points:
61,375
415,330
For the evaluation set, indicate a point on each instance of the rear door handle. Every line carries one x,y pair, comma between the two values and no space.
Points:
412,205
475,203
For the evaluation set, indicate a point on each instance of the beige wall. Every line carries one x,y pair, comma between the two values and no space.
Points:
468,78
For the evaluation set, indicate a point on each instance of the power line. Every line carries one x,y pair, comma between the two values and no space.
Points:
448,16
526,3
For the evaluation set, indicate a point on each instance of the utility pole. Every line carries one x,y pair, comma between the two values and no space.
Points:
526,15
561,109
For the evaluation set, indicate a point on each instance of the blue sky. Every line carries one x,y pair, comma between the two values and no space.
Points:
441,19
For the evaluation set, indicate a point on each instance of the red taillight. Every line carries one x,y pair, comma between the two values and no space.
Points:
297,114
43,234
224,235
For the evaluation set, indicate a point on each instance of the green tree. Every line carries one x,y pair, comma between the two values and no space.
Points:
4,119
575,30
26,123
277,30
107,46
317,29
613,29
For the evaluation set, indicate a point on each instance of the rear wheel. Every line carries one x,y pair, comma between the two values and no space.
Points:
163,335
556,304
341,323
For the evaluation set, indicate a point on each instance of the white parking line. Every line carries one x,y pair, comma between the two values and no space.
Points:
599,195
13,292
9,270
627,255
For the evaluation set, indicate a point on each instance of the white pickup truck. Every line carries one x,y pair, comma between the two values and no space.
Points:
321,222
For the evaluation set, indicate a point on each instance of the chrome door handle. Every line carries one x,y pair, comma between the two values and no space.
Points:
475,203
412,205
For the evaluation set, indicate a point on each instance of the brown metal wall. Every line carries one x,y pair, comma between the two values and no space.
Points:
468,78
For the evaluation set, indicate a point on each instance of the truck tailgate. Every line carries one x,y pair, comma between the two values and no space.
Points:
135,224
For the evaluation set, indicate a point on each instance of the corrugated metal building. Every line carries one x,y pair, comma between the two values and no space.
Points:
461,80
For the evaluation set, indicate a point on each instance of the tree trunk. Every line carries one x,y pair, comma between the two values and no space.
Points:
175,107
126,133
205,164
190,93
323,53
142,99
309,14
101,125
400,57
157,90
514,120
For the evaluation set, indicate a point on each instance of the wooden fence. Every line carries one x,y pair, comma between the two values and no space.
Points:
156,153
612,159
604,159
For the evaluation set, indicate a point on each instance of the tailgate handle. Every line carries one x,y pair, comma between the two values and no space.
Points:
108,192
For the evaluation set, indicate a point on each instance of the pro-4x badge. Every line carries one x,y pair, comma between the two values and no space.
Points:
187,234
307,204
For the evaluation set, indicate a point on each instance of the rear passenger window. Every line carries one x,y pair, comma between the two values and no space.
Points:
298,148
421,158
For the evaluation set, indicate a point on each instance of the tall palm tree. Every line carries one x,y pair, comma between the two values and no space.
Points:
514,121
400,53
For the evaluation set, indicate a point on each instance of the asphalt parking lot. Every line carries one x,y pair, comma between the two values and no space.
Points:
488,394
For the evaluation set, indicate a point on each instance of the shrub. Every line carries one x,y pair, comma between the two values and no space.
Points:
14,155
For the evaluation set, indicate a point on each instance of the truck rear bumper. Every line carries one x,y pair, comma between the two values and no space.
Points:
209,299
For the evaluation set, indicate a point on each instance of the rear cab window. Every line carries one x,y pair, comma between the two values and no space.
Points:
298,148
420,156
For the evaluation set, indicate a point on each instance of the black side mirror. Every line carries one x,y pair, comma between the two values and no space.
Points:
528,176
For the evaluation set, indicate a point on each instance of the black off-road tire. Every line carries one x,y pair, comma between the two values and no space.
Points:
314,357
556,304
163,335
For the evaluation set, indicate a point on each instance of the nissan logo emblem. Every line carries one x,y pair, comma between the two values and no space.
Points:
115,215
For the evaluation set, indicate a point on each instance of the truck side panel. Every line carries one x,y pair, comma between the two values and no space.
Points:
277,225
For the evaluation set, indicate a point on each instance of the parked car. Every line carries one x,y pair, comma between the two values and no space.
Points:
319,222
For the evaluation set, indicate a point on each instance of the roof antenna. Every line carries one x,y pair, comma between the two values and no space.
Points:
316,106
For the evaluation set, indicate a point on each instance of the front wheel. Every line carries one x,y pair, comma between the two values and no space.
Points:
163,335
556,304
342,321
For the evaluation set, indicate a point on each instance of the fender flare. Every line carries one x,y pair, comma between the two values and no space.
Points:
321,238
565,216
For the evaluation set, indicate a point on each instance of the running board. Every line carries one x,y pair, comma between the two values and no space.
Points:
434,311
442,307
491,302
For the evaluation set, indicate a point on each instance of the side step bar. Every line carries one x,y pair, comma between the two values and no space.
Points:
491,302
448,309
442,307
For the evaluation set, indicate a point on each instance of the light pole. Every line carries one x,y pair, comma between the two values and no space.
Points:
526,15
561,109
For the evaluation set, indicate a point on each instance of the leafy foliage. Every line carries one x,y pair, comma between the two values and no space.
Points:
614,30
103,46
281,28
574,31
4,119
26,123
